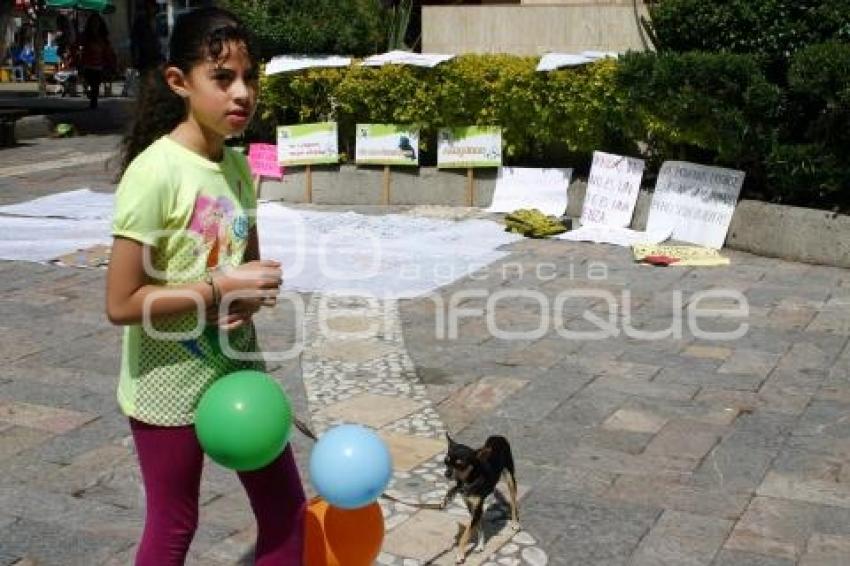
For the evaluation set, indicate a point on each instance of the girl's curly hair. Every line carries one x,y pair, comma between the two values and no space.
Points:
198,36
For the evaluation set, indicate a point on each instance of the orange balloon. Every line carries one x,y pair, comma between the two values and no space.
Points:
342,537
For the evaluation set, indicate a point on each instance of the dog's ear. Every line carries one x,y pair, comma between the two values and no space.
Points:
484,453
449,438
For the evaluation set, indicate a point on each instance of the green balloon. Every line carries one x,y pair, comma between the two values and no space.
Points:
243,420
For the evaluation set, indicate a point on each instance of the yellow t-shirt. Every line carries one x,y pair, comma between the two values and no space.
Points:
195,214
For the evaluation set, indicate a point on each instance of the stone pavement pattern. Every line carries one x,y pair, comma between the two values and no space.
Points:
676,451
356,369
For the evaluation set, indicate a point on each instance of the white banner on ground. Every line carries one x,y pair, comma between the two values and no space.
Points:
429,60
695,202
45,238
615,235
524,187
82,204
612,190
386,256
289,63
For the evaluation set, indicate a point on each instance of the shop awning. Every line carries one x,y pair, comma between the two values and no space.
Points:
105,6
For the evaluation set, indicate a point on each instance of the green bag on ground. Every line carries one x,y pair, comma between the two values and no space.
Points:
532,223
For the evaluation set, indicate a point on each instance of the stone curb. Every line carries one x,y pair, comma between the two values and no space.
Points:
112,116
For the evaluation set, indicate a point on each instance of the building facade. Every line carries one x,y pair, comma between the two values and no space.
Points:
533,27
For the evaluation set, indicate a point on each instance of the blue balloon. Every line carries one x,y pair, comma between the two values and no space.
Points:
350,466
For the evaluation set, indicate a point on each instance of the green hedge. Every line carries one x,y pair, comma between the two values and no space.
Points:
542,115
772,29
809,161
716,109
699,106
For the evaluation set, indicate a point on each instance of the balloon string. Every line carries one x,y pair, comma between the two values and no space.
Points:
308,432
305,430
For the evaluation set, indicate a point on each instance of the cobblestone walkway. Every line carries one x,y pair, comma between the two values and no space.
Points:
682,451
356,370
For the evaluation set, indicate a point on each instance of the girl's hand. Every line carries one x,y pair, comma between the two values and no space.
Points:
240,313
230,321
257,282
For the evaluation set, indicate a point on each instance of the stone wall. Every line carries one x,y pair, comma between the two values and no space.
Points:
532,28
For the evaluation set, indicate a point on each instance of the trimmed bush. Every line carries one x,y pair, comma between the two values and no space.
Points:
576,110
819,85
716,109
808,164
711,108
774,29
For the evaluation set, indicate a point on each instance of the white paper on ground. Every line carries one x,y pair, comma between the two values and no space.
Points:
387,256
288,63
525,187
695,202
77,205
43,239
429,60
616,235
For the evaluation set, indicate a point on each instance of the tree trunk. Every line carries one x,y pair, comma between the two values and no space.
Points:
5,16
39,65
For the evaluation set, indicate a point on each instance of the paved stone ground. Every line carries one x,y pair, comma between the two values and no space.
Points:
679,451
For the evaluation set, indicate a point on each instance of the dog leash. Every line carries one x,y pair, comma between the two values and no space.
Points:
308,432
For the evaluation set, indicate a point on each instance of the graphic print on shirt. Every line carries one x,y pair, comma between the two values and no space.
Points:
223,231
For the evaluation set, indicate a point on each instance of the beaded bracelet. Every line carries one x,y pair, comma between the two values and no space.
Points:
216,295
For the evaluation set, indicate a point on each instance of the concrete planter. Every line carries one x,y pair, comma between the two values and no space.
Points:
787,232
347,184
790,232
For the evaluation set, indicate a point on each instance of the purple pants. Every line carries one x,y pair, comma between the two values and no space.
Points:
171,460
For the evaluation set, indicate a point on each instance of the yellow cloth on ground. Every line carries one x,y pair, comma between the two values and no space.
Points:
687,255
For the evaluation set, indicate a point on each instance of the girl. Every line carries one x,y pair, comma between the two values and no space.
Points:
183,240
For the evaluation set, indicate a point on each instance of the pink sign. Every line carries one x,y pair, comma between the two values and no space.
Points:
262,158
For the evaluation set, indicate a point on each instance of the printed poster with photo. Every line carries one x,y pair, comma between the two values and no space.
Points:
467,147
387,144
308,144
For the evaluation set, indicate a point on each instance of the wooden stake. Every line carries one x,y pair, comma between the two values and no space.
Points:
470,187
386,197
309,196
257,185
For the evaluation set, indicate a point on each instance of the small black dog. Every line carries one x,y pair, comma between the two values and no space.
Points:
476,473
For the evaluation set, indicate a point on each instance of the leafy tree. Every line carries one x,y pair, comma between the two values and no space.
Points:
344,27
772,29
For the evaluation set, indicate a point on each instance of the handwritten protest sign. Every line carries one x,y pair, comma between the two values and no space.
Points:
612,190
262,158
695,201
